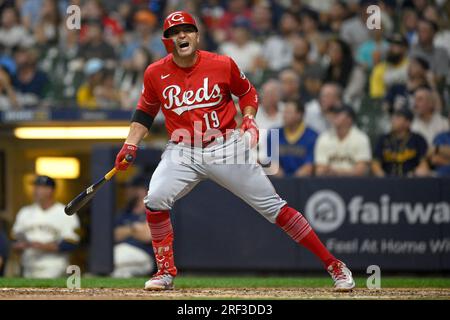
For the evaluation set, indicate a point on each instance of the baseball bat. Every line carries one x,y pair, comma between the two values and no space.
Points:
84,197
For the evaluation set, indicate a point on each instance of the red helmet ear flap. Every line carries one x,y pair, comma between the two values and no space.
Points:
174,19
169,44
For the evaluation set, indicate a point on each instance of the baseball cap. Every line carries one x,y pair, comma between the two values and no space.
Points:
145,17
44,181
344,108
93,66
404,112
397,38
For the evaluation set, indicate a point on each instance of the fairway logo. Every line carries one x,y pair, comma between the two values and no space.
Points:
325,211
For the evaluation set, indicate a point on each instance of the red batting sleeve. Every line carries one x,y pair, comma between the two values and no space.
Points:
148,102
241,87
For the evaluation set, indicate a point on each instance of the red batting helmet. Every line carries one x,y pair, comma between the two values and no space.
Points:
174,19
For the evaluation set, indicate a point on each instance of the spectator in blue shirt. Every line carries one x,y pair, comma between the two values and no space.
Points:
372,51
133,254
30,83
296,143
400,152
440,153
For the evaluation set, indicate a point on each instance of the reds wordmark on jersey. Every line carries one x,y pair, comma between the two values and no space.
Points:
200,94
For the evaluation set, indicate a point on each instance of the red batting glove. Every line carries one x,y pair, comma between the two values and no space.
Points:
249,124
127,149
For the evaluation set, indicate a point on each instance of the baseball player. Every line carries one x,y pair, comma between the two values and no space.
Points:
44,234
194,89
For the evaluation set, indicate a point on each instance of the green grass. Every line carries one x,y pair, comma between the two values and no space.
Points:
227,282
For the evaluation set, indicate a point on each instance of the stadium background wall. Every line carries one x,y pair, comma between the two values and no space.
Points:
356,218
397,224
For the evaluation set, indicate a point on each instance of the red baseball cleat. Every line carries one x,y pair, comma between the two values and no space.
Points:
160,281
341,275
163,279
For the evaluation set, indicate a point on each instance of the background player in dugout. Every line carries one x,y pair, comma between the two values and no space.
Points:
193,89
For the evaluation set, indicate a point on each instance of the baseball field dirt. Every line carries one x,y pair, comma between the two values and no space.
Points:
222,293
196,287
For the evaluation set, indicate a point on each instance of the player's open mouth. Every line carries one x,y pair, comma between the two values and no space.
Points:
184,46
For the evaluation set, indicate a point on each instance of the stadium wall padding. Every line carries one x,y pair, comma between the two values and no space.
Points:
398,224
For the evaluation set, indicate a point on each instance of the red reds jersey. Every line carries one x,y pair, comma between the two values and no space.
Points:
198,98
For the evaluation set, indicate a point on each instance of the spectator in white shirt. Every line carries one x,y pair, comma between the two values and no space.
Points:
246,52
343,150
278,48
270,114
428,122
12,33
318,110
44,235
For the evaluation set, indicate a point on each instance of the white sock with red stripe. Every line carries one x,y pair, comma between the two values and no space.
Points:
299,229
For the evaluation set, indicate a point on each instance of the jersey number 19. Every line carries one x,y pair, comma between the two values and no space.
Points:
211,117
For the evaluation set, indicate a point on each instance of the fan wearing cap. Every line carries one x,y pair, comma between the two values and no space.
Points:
93,69
43,234
400,152
145,35
343,150
391,71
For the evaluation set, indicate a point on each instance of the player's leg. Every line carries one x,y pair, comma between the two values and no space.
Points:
171,180
249,182
299,229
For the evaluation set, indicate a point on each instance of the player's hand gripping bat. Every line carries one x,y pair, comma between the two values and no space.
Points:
84,197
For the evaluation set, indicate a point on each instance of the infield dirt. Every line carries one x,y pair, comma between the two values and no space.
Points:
229,293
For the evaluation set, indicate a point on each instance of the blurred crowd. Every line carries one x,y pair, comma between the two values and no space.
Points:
318,55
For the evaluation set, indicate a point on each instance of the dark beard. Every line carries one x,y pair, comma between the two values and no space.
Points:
394,58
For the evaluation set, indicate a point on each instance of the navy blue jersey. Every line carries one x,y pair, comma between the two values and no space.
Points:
399,157
128,218
442,139
297,152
